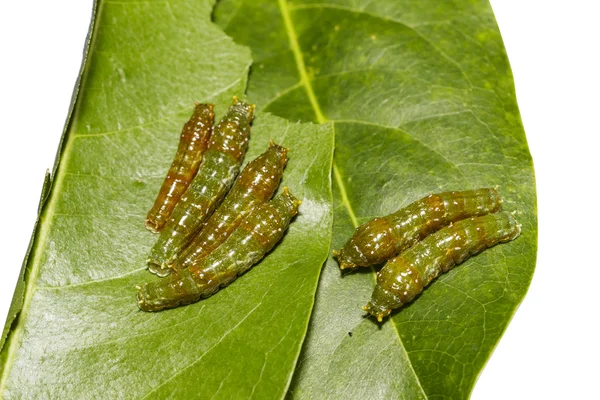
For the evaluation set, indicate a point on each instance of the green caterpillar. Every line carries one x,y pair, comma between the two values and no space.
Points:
252,239
221,164
405,276
192,145
256,184
382,238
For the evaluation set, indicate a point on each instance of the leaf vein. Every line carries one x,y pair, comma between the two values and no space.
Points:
205,353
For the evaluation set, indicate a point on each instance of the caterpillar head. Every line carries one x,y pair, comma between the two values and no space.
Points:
152,225
177,289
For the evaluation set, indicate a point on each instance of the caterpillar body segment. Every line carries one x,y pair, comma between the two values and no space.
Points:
405,276
192,145
255,185
382,238
258,233
221,165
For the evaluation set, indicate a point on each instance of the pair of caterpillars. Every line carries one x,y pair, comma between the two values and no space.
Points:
423,240
210,232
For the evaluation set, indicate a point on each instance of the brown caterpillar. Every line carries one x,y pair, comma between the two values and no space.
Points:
251,240
382,238
192,145
256,184
405,276
221,164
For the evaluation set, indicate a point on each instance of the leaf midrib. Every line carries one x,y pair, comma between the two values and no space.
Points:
320,117
299,58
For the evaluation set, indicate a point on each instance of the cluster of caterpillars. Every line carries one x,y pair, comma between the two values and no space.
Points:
213,227
423,240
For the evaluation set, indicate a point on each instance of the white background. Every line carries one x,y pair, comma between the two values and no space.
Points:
550,349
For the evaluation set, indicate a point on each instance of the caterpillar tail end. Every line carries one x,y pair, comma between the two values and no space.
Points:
280,151
337,254
344,266
295,201
376,312
284,150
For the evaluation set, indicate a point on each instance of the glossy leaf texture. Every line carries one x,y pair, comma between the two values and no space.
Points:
79,333
422,100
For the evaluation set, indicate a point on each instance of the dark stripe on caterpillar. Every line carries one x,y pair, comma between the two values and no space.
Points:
258,233
192,145
382,238
405,276
221,164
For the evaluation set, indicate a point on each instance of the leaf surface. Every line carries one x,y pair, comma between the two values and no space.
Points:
79,333
421,98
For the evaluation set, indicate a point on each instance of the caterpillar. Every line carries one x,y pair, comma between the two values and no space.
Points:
250,241
256,184
221,164
405,276
382,238
192,145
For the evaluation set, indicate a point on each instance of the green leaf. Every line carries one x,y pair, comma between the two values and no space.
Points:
79,333
422,100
